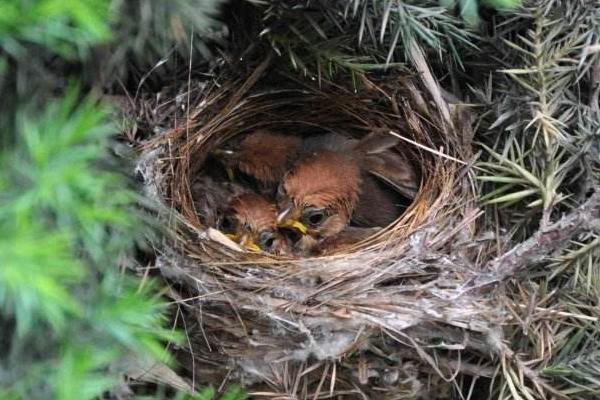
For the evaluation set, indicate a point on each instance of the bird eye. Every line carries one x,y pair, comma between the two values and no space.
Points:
266,240
228,224
314,217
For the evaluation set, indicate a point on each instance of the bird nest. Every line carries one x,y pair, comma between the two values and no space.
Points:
397,315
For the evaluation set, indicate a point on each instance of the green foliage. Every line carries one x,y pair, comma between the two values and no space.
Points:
469,9
31,291
397,24
539,126
67,27
79,376
65,222
35,37
503,4
103,41
163,28
209,393
53,171
321,38
145,30
234,393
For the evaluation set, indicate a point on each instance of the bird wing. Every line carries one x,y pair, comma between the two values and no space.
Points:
328,141
395,170
376,143
379,204
380,159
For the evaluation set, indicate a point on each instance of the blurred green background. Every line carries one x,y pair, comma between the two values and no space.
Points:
71,319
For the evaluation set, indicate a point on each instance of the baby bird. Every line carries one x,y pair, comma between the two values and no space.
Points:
326,191
349,236
264,156
318,197
251,221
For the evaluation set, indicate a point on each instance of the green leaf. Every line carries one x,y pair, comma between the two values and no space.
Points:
448,3
234,393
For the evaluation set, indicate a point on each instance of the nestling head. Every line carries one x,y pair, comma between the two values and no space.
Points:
318,195
251,221
264,155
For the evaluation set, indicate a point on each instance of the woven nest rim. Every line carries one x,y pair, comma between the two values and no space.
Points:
421,129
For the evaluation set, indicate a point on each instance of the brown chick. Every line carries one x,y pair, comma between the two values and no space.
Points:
327,190
349,236
264,156
318,197
251,221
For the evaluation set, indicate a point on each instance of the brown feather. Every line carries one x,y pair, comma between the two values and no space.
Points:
365,183
254,211
395,170
325,180
256,216
266,155
329,141
377,155
349,236
378,204
376,143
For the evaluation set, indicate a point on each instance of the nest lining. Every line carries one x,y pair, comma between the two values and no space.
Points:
269,320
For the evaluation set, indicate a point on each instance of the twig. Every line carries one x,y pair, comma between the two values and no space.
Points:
554,237
429,149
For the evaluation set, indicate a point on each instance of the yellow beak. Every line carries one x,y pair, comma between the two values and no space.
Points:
232,236
245,241
249,244
252,247
292,223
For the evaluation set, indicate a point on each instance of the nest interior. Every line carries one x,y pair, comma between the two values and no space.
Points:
373,320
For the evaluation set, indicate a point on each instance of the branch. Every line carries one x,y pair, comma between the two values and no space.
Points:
554,237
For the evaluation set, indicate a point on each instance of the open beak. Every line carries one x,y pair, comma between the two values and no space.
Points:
292,223
245,242
249,244
232,236
284,222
